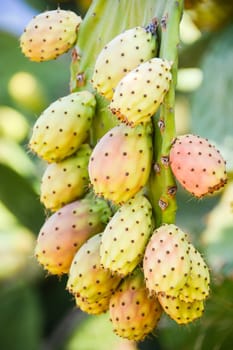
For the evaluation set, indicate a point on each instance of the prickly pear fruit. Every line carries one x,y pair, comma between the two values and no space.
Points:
179,310
87,279
49,35
120,163
197,284
197,165
133,312
166,262
93,307
66,230
139,94
63,126
65,181
122,54
126,235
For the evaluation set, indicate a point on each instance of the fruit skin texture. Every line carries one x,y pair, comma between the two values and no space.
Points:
87,279
93,307
197,165
197,284
120,163
65,231
122,54
139,94
63,126
166,262
179,310
65,181
49,35
126,235
133,313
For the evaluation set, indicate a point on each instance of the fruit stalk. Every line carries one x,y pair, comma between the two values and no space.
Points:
162,186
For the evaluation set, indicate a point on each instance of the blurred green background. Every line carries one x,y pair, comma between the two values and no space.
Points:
36,312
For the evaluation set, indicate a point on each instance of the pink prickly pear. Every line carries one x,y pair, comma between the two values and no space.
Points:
120,163
66,230
197,165
49,35
133,312
166,262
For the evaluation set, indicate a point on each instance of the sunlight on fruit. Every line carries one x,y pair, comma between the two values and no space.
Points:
188,30
12,124
26,90
189,79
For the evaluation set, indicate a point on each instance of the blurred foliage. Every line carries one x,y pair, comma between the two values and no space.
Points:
211,105
37,312
20,317
210,15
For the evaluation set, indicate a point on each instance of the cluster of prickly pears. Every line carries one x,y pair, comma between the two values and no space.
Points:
176,273
106,240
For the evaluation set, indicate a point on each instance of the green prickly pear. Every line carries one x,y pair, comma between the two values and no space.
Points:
87,279
139,94
197,284
63,126
65,181
179,310
126,235
122,54
93,307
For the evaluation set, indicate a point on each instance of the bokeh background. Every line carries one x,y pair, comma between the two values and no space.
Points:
36,312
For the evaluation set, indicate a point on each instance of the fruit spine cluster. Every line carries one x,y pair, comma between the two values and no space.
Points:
117,261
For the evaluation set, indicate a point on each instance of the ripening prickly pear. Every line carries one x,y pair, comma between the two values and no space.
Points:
63,126
139,94
179,310
133,312
120,163
87,279
66,230
49,35
126,235
166,262
65,181
122,54
197,284
197,165
93,307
